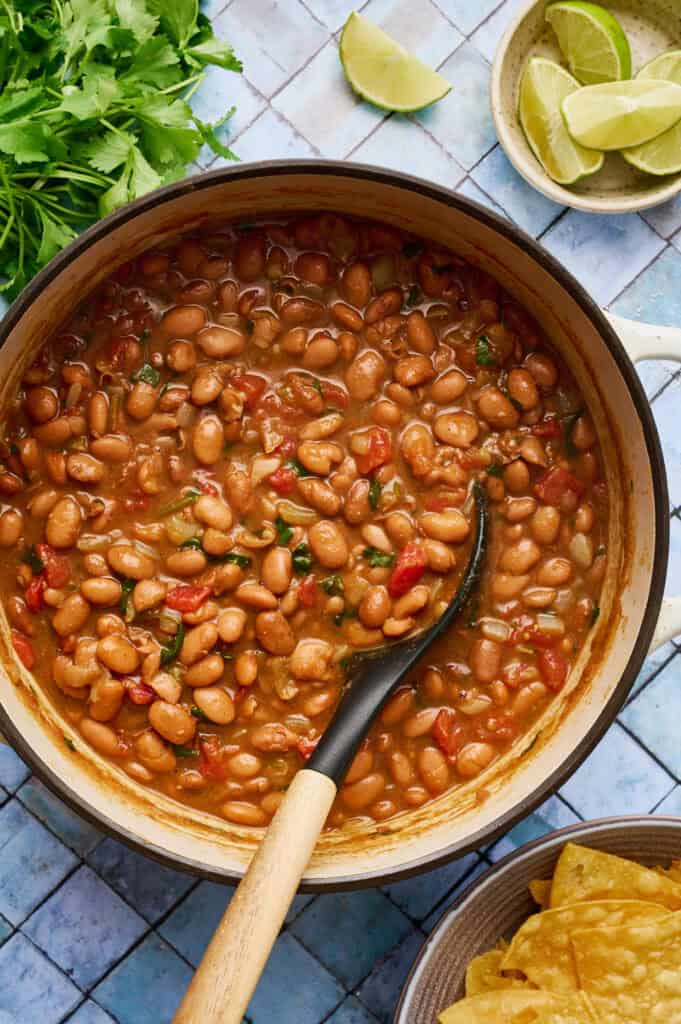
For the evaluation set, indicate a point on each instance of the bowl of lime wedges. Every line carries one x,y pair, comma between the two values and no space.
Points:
586,100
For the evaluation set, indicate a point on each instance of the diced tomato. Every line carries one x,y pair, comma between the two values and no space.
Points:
307,747
206,487
380,451
24,648
287,448
554,669
187,598
34,593
410,567
211,764
334,395
136,503
308,592
57,569
283,480
447,732
252,386
450,499
553,485
139,692
549,427
531,634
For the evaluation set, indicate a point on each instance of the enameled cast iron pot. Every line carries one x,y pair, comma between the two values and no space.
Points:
598,352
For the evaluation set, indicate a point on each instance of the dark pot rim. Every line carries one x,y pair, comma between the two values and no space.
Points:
579,831
581,297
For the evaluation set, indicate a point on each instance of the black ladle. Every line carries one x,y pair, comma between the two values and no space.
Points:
231,966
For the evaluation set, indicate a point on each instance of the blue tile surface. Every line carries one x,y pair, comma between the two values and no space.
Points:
150,888
85,927
31,988
32,862
349,931
147,986
91,933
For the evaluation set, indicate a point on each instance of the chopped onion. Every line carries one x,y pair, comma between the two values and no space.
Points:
581,550
495,629
296,515
550,624
382,271
263,466
169,621
73,394
145,548
94,541
179,529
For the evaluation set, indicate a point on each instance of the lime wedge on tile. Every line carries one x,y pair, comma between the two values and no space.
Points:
592,41
543,88
661,155
617,115
383,72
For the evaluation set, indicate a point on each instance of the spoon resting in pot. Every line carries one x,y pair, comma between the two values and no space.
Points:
221,988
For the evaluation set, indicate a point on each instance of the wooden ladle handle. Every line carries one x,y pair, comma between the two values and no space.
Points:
223,984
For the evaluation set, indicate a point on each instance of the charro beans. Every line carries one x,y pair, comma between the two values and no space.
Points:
263,464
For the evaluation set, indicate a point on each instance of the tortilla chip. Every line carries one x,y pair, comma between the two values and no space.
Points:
514,1007
632,974
585,874
540,891
483,975
541,947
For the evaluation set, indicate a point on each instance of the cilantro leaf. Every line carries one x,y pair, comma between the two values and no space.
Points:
332,585
177,18
243,561
109,151
171,650
133,15
214,51
284,531
374,493
54,237
302,559
378,559
148,374
483,355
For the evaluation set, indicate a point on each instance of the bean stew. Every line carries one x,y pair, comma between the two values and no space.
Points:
250,454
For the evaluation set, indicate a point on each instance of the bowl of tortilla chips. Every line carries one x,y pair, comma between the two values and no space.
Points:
582,926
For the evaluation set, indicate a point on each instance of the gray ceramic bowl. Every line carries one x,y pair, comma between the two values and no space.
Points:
497,903
652,26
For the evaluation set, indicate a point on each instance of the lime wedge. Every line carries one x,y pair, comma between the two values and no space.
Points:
383,72
666,67
617,115
661,155
592,40
543,88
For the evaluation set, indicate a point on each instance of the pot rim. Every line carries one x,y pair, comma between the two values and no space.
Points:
568,833
397,179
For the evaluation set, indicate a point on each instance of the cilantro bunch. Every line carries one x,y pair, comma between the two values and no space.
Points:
94,113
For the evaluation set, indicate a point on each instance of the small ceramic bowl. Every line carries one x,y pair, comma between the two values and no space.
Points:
652,26
497,903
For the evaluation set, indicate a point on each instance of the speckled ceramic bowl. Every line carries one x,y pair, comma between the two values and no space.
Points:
652,26
498,902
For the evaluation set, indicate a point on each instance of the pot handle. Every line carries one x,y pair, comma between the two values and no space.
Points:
647,341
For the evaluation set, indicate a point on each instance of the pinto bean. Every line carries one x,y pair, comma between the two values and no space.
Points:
183,321
433,769
413,371
418,449
206,671
276,570
42,404
319,495
101,737
321,353
220,342
310,659
388,303
420,334
198,642
356,285
11,527
64,523
357,508
375,607
118,654
328,544
520,557
126,560
364,792
365,374
495,407
172,722
86,469
112,448
71,615
216,704
231,623
522,388
274,633
273,738
473,758
208,439
458,429
101,590
450,526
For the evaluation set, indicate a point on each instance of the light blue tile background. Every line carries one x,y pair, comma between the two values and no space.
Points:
92,933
